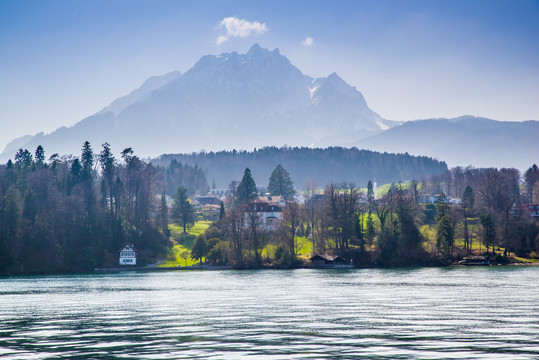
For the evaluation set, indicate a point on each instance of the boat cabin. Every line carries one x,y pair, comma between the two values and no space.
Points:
327,261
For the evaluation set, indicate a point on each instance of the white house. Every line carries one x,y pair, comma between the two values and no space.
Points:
128,256
270,214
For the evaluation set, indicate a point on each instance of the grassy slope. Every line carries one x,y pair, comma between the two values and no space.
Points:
182,243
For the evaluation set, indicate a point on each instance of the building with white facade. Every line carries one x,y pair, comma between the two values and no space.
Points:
270,213
128,256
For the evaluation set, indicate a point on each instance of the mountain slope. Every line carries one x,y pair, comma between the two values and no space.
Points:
147,87
224,102
463,141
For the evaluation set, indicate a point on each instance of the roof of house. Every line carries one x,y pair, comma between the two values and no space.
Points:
207,200
265,206
128,247
326,257
273,199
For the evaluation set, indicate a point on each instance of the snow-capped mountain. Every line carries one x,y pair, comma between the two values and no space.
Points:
226,101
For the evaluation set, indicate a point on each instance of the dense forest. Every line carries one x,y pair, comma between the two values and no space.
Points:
69,214
323,166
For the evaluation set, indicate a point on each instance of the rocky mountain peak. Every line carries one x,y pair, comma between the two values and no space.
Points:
226,101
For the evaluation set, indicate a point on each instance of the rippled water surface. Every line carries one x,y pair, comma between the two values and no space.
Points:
466,313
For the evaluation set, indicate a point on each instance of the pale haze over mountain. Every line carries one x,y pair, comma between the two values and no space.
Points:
463,141
228,101
257,99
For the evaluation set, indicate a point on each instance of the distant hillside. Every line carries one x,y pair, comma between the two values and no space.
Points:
463,141
334,164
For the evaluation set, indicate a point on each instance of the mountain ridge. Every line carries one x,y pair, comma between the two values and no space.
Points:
224,101
258,99
463,141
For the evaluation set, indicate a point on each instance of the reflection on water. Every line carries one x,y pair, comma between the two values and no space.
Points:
466,313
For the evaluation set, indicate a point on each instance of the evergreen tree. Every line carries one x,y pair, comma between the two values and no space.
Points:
40,157
445,232
54,160
445,235
246,191
87,161
182,211
409,235
108,166
370,195
75,174
87,177
281,184
467,203
222,211
24,162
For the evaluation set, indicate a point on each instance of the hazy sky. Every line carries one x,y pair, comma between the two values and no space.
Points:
61,61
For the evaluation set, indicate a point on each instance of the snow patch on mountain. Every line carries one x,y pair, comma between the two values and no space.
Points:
226,101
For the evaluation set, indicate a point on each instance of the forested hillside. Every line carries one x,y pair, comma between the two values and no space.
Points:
71,214
333,164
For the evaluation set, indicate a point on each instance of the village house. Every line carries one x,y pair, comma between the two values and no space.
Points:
433,199
220,193
128,255
272,199
210,212
270,211
208,200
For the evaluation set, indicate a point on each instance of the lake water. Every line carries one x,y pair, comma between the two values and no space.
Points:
428,313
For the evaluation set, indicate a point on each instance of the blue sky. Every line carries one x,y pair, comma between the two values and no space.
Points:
61,61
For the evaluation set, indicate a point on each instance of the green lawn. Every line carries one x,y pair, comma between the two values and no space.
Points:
199,227
383,189
175,259
183,243
304,246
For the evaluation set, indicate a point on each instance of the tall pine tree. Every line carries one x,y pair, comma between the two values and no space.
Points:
182,211
246,189
281,184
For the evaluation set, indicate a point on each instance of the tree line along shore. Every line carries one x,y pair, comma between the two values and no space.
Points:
73,214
